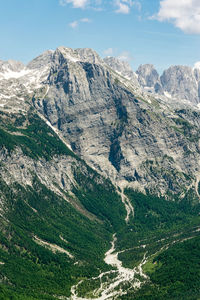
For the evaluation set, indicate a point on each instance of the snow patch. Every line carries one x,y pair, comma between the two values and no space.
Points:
168,95
11,74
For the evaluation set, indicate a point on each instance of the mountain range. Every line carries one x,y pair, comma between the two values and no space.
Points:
100,179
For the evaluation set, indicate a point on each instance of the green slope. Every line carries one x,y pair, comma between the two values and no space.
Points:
34,220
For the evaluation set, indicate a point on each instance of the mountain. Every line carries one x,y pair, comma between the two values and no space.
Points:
181,82
177,82
123,68
123,133
99,182
147,75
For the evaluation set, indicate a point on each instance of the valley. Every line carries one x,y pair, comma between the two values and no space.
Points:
99,185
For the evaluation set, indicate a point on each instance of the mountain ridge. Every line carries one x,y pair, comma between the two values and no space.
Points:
106,119
99,185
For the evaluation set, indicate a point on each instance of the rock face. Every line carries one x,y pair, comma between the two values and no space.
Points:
10,65
149,78
134,142
122,67
177,82
181,82
65,119
147,75
149,143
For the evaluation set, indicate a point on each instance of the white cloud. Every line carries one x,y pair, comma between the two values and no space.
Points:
75,3
76,23
184,14
123,6
108,52
125,56
85,20
73,24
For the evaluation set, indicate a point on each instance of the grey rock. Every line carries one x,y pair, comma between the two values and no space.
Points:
42,60
122,67
134,142
181,83
147,75
146,142
11,65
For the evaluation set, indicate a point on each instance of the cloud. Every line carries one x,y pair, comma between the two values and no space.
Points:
75,3
73,24
108,52
92,4
76,23
85,20
125,56
123,6
184,14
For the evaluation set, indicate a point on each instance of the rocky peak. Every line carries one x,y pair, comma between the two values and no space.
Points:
42,60
147,75
89,55
181,82
11,66
85,55
121,67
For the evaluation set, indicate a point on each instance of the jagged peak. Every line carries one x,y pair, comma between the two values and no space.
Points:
122,67
147,75
42,60
115,60
11,65
148,68
89,55
79,54
179,68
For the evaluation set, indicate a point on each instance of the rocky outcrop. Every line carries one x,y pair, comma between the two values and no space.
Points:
129,136
147,75
181,82
122,67
130,140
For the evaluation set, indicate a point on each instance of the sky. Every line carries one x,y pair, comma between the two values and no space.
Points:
160,32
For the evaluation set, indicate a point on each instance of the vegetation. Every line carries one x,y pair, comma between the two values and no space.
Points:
165,231
174,274
36,140
169,231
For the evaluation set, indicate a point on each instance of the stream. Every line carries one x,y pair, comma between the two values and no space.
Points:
115,282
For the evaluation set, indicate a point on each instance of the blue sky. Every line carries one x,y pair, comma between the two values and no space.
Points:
161,32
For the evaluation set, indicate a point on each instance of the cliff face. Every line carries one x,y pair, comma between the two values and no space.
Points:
182,82
133,138
136,139
65,119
